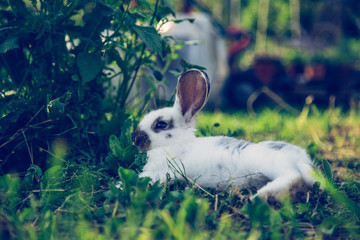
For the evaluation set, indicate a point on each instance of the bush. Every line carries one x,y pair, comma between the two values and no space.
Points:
58,59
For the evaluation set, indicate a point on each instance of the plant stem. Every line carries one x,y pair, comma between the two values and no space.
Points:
140,60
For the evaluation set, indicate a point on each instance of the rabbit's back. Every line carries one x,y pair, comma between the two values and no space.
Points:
217,161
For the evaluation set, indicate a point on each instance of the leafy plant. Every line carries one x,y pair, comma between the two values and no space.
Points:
62,59
123,153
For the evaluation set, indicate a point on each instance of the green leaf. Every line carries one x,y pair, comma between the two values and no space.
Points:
56,107
112,163
52,176
9,44
125,137
129,153
36,169
140,159
32,177
115,146
165,9
150,37
327,169
158,75
155,192
89,65
128,178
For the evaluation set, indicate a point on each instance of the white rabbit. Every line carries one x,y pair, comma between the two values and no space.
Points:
167,135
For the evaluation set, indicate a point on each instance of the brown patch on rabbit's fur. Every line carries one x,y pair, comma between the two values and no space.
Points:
298,191
141,139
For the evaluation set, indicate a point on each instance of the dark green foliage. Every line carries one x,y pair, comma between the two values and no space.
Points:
89,65
150,37
123,152
66,55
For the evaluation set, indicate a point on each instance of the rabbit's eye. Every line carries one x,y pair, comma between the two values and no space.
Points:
161,125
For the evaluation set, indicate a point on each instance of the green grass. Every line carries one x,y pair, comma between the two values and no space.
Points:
74,200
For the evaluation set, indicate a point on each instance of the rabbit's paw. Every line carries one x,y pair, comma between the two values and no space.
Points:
271,198
155,176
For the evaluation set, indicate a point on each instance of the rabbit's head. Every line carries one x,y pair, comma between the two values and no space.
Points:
174,125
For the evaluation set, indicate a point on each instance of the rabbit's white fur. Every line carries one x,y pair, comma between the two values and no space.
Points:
219,161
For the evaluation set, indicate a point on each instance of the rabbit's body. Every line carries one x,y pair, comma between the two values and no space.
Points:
218,162
167,135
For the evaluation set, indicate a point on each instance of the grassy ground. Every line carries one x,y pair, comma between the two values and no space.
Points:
79,201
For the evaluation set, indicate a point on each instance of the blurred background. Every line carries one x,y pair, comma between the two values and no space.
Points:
273,52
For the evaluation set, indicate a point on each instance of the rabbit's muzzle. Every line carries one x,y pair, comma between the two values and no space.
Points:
141,140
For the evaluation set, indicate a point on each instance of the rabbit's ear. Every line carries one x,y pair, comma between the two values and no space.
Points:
192,92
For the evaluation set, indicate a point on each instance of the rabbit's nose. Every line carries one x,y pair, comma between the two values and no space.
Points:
141,140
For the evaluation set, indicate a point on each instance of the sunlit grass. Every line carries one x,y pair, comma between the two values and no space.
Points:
336,134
